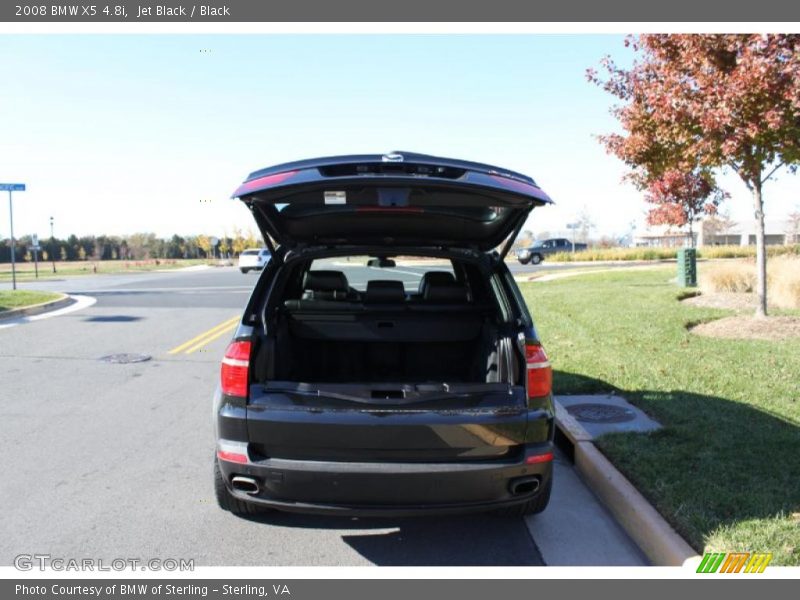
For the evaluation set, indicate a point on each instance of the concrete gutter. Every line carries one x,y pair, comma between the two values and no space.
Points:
654,536
36,309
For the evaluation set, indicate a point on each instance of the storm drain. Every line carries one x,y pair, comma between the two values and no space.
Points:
125,358
601,413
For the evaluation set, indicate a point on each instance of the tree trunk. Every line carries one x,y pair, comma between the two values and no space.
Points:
761,252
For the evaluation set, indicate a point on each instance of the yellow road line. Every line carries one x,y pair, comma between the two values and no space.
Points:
227,324
211,339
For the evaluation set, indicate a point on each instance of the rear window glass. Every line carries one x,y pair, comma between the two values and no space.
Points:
407,270
249,253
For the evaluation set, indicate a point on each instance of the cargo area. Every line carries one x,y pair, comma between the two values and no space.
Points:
443,332
386,344
406,372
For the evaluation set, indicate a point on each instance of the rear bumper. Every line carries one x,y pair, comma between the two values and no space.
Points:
387,489
359,463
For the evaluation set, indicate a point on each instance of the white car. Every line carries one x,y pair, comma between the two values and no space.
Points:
253,259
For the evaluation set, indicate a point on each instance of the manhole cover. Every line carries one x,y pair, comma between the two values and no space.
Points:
124,359
601,413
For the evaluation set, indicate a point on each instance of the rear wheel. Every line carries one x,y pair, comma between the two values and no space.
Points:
227,501
524,261
533,506
243,270
536,259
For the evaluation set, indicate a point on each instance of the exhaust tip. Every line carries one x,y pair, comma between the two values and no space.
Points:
248,485
523,486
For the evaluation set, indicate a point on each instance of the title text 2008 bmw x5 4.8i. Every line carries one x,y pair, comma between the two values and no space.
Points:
374,398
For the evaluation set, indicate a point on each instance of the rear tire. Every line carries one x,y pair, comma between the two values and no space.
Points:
524,261
536,259
244,270
227,501
533,506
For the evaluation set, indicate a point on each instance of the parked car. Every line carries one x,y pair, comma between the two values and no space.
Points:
379,396
536,252
254,259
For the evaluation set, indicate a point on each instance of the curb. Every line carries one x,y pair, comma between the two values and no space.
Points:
36,309
643,523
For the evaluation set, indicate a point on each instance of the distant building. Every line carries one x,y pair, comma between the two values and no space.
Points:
712,232
719,232
663,236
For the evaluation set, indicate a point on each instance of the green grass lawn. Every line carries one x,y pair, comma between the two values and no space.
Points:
19,298
725,470
26,270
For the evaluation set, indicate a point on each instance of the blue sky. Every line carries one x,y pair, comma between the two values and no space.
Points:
125,133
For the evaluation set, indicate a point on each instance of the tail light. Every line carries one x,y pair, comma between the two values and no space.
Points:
232,451
232,456
235,374
535,459
540,374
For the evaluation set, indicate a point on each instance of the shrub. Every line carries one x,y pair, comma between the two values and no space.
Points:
646,253
783,279
728,277
596,254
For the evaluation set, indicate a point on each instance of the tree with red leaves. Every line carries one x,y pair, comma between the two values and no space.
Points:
698,103
679,198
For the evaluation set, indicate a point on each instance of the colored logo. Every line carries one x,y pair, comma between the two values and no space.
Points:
734,562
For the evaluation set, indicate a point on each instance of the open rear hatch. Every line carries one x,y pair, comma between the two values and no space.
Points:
399,199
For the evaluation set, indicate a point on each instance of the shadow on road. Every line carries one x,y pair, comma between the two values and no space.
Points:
468,540
112,319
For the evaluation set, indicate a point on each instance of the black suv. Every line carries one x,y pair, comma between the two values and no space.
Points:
397,393
541,248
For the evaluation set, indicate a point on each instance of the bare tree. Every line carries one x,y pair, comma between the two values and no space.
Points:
585,225
793,228
717,225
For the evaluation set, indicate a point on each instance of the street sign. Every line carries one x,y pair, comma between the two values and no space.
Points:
35,241
214,241
12,187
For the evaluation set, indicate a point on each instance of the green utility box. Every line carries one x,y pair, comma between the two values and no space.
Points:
687,267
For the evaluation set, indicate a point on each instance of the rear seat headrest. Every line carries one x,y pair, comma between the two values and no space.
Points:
385,291
325,281
434,277
445,292
325,285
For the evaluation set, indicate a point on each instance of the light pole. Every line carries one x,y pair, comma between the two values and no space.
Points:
35,240
52,243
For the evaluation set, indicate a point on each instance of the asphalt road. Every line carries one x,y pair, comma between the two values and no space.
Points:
105,460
